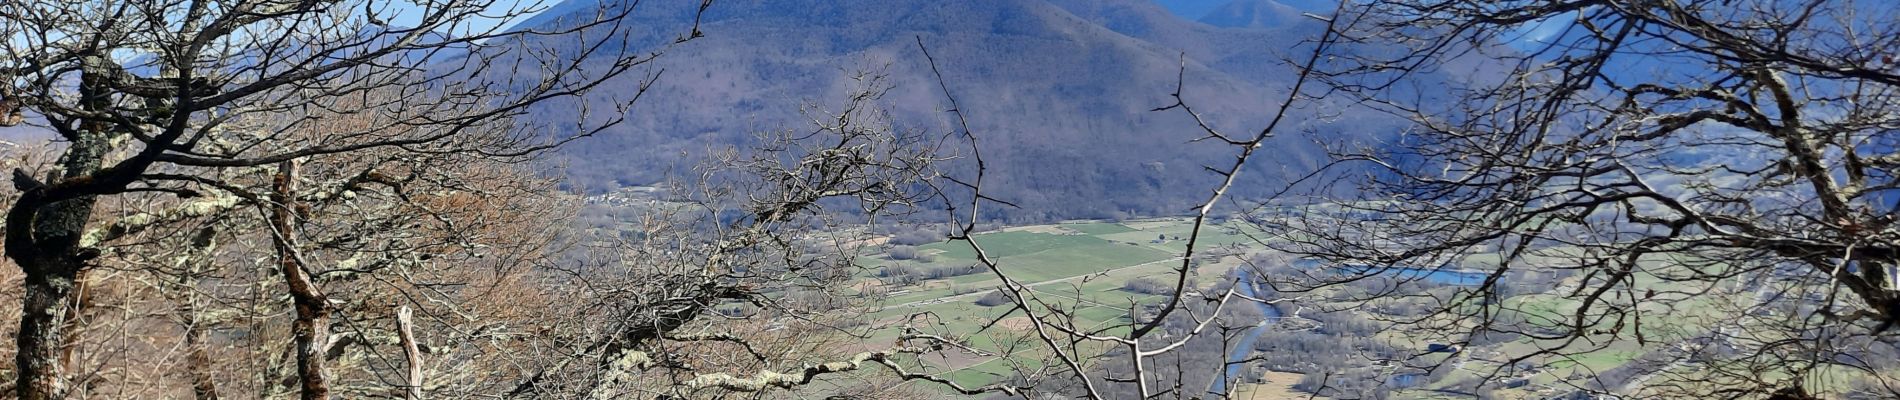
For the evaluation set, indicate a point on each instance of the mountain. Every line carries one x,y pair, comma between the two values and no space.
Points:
1321,7
1060,91
1255,55
1252,14
1191,9
1200,10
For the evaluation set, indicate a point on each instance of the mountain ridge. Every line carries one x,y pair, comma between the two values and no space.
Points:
1252,14
1062,91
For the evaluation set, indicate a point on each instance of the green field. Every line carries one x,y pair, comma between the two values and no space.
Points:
1099,228
1077,267
1080,268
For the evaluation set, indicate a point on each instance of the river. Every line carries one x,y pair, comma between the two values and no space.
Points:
1245,347
1249,286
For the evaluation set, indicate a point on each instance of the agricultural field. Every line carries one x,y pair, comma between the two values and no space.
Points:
1273,386
1081,265
1084,265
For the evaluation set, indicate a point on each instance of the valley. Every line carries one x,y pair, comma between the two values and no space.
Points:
1090,270
922,199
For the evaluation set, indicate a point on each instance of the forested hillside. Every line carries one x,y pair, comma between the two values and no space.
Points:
1060,91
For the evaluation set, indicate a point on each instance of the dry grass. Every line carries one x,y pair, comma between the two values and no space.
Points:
1279,386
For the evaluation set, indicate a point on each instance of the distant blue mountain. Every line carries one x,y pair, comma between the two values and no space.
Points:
1312,6
1191,9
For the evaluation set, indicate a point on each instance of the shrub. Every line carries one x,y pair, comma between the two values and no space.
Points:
902,252
917,237
995,298
946,272
1148,286
895,271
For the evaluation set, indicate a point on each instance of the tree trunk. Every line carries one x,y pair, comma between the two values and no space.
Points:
42,320
203,386
75,314
52,264
42,237
312,327
405,327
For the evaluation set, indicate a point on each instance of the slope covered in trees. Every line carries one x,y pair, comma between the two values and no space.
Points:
1251,14
1061,92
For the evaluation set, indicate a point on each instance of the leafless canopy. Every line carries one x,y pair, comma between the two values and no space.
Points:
1715,176
261,182
184,97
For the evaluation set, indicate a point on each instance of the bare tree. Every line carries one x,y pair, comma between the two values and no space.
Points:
1714,173
1712,178
376,230
1075,359
1705,178
312,326
143,92
341,237
739,280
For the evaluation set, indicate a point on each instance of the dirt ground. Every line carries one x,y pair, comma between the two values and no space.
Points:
1150,224
1279,386
1048,229
867,285
952,359
1018,324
